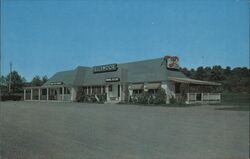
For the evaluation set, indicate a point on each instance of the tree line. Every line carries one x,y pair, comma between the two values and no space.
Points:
18,82
232,79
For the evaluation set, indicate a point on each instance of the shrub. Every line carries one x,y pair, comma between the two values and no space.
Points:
91,98
160,97
172,100
10,97
146,98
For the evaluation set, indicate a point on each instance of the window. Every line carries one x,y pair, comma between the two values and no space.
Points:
153,91
110,88
44,91
66,90
177,88
84,90
137,91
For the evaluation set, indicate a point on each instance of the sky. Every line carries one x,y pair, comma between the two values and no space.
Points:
42,37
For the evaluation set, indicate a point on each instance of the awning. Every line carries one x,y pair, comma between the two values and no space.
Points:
192,81
153,85
136,86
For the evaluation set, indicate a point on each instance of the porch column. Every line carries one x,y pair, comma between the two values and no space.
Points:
39,93
31,94
91,90
107,90
47,93
62,93
87,90
187,96
24,94
120,92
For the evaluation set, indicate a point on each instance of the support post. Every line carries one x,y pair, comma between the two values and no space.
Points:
24,94
87,90
91,90
120,92
107,90
62,93
39,93
47,93
31,94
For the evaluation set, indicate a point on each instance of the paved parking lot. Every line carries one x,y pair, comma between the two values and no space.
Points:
42,130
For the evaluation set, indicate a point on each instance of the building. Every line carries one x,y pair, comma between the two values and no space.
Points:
123,81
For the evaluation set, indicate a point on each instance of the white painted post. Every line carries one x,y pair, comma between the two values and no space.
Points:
31,94
39,94
91,90
120,92
62,93
47,93
107,90
24,94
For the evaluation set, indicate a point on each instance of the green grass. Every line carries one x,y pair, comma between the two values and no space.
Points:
239,101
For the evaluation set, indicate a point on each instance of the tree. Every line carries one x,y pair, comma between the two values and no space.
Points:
200,73
44,79
16,81
217,73
3,81
36,81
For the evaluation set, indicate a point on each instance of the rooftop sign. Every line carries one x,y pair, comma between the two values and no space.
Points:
105,68
172,62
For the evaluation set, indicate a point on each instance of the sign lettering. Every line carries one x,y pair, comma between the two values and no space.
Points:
113,79
56,83
105,68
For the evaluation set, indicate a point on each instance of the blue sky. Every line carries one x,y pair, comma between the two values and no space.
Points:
46,36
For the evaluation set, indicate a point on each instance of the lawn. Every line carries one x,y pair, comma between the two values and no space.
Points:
238,101
44,130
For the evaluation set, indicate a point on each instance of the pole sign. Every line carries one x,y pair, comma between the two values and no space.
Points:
105,68
56,83
172,62
113,79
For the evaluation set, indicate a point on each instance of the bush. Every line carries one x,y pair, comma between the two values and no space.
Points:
10,97
172,100
160,97
81,97
146,98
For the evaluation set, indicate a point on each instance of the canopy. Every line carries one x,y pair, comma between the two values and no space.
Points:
153,85
136,86
192,81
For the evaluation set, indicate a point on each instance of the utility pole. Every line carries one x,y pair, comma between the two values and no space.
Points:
10,77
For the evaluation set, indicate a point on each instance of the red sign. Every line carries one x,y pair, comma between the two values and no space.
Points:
172,62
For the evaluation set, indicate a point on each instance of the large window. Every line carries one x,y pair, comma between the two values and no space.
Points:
137,91
66,90
177,88
44,91
110,88
153,91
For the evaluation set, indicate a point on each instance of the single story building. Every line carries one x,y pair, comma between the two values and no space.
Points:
122,81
